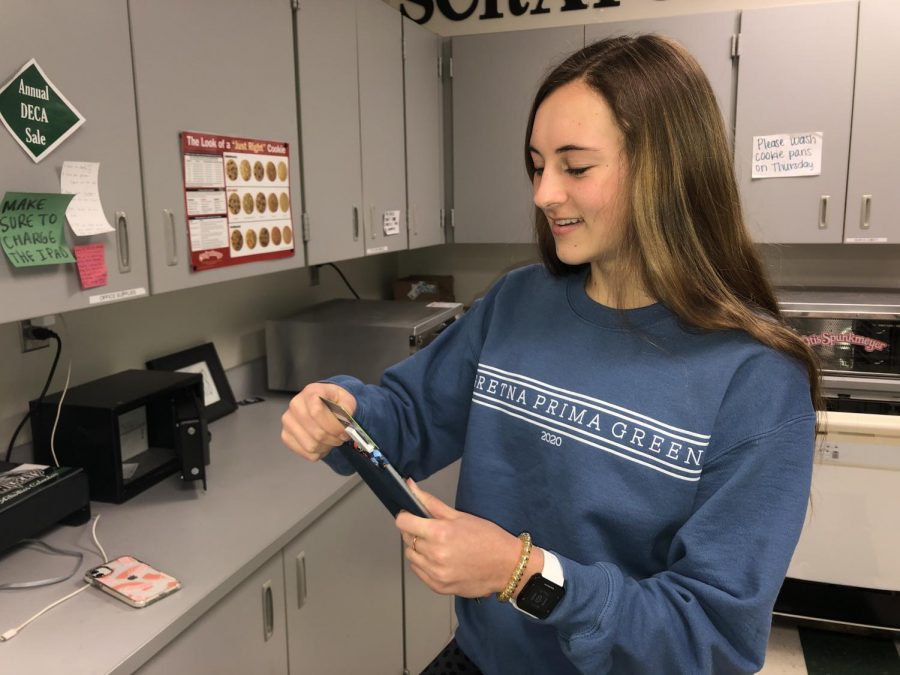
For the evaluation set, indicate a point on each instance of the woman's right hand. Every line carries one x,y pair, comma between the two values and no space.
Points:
308,427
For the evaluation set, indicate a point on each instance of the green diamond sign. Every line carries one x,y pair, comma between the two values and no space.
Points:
37,115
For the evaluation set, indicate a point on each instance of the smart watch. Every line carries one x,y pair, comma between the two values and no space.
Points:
543,591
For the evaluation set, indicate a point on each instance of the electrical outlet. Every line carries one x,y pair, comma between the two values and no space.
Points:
29,344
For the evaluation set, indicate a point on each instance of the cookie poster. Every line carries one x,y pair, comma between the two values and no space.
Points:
237,199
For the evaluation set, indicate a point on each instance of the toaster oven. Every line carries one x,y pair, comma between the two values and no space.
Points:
846,568
350,337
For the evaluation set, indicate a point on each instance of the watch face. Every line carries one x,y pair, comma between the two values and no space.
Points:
539,596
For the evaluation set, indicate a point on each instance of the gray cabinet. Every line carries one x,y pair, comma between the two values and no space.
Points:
428,618
707,36
495,77
329,120
217,67
380,41
244,633
343,590
351,114
94,74
796,66
331,601
423,102
873,200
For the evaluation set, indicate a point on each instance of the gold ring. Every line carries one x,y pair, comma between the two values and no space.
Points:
415,539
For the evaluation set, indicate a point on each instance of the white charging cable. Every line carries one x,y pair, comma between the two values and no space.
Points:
12,632
56,420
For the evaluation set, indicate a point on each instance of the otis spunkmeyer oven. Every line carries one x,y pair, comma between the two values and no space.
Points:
846,569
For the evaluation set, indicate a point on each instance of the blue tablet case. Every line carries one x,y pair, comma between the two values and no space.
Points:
374,468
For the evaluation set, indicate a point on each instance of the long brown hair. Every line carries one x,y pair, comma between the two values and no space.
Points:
685,239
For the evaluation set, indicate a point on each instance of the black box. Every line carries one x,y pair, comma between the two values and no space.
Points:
60,496
127,431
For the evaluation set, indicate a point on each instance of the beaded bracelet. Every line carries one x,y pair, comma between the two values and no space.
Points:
514,580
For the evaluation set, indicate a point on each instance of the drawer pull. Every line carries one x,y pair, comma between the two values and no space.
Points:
823,212
171,242
268,607
355,224
865,212
301,580
122,243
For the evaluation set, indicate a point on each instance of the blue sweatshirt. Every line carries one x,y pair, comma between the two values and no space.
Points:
667,467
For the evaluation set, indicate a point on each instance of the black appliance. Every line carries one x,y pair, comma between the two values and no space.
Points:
127,431
33,499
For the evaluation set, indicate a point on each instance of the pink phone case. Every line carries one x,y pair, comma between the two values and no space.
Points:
132,581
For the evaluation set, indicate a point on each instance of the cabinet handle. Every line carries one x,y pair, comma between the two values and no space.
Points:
823,211
268,608
122,243
355,224
301,579
171,243
865,212
412,220
372,222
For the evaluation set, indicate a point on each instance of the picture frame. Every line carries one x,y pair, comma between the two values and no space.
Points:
218,398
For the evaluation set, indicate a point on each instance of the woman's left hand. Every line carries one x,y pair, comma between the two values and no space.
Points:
456,553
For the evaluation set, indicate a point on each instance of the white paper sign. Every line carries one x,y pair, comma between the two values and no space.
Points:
210,393
112,296
391,222
85,212
208,233
205,202
787,155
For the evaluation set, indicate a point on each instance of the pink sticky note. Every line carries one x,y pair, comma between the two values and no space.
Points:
91,265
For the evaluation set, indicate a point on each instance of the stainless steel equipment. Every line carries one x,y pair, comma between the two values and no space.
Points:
846,569
351,337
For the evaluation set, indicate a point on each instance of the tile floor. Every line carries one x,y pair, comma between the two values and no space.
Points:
826,653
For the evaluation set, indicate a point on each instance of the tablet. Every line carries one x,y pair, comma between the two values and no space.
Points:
374,468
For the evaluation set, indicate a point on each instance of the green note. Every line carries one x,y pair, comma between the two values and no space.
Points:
31,228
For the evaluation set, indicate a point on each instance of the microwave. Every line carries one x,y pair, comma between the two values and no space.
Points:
350,337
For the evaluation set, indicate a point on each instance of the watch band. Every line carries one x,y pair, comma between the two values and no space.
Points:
552,570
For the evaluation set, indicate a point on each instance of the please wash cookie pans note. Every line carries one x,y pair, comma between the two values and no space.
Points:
237,195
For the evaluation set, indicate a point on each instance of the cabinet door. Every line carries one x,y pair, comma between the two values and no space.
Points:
423,98
329,119
495,77
873,201
218,67
795,76
707,36
380,43
344,593
427,616
94,74
243,633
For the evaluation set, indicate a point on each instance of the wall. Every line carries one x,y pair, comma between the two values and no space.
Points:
107,339
476,266
834,265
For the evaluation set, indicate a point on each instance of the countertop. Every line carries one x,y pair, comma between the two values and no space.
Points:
260,497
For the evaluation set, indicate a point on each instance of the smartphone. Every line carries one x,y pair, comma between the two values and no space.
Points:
132,581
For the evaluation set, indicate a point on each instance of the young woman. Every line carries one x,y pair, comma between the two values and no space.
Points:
636,424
